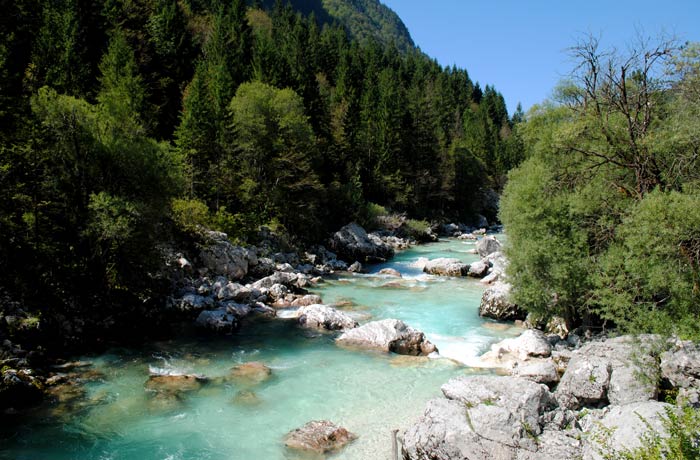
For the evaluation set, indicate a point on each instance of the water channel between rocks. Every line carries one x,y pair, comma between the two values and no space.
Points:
368,393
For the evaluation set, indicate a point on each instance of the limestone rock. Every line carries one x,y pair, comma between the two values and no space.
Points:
220,320
356,267
478,269
251,373
353,243
488,245
496,304
319,437
585,382
446,267
219,257
389,335
174,385
325,317
627,423
540,371
681,365
303,301
390,272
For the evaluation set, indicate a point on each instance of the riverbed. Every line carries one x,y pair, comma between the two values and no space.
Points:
368,393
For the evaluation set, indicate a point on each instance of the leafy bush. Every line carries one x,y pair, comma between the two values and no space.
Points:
190,214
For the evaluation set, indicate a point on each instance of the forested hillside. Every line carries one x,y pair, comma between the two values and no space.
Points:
603,217
365,20
125,124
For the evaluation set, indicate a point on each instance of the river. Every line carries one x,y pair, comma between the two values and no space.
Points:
368,393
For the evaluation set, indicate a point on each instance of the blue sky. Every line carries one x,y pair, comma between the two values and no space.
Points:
519,46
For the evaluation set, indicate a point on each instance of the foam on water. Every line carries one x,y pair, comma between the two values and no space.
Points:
369,393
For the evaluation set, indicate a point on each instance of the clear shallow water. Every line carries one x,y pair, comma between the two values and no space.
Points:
368,393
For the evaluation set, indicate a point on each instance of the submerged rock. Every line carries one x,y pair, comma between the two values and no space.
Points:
174,384
390,272
319,437
325,317
252,373
246,398
389,335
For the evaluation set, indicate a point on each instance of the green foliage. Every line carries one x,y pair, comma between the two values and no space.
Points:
650,279
680,442
602,216
275,153
189,215
124,123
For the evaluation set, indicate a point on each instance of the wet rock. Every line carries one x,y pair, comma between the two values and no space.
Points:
319,437
219,321
19,388
478,269
306,300
192,302
246,398
390,272
174,384
496,303
231,291
389,335
488,245
355,268
290,280
252,373
531,343
446,267
353,243
325,317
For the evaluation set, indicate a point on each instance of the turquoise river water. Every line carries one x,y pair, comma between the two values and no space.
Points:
368,393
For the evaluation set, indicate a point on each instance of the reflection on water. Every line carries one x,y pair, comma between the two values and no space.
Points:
222,418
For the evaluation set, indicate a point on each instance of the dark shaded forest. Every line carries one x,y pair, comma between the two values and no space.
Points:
125,124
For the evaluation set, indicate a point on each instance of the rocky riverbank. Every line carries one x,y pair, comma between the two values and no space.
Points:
217,286
560,399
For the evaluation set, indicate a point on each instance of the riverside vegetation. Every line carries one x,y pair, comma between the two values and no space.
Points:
128,129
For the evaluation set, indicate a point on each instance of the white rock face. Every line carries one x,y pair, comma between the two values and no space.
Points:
478,269
389,335
488,245
220,257
531,343
627,423
325,317
496,303
446,267
353,243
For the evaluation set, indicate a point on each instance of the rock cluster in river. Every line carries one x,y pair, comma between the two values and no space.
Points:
388,335
606,390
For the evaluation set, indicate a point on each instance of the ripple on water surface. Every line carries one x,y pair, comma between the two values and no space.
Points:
368,393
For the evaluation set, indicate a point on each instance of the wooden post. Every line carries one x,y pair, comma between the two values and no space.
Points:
394,446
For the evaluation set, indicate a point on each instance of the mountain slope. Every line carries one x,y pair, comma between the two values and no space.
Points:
364,19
